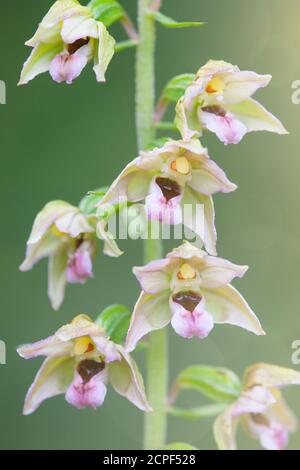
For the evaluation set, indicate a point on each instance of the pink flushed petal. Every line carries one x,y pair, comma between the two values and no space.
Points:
228,129
82,394
66,67
80,266
188,324
158,208
274,437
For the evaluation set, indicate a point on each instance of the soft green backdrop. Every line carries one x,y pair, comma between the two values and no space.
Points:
59,141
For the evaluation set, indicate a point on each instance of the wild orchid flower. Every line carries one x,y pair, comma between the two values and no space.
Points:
219,100
170,179
261,408
65,235
66,40
80,362
192,291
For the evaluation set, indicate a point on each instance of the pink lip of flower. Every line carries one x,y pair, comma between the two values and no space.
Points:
66,67
265,415
67,39
180,174
220,100
80,362
191,290
80,265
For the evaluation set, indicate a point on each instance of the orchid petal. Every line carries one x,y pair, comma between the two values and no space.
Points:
187,324
268,375
61,10
110,246
225,430
46,217
210,179
153,277
66,67
227,305
43,248
52,347
92,393
53,378
242,85
39,61
57,277
78,27
228,128
107,348
151,312
255,117
217,272
127,381
202,226
106,49
81,325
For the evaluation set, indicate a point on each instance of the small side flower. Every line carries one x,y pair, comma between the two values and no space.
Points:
66,40
261,408
80,362
220,100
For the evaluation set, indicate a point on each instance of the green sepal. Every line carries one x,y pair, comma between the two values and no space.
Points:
115,320
170,23
215,383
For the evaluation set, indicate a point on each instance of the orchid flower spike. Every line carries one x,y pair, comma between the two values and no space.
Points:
219,100
173,181
191,290
65,235
261,408
80,362
66,40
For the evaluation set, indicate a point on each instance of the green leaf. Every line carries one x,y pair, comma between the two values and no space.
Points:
89,201
213,382
200,412
176,87
180,446
122,45
115,320
170,23
106,11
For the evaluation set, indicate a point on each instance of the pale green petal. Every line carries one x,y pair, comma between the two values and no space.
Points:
151,312
200,218
57,277
127,380
43,248
106,49
227,305
187,121
39,61
79,27
53,378
268,375
225,430
255,117
46,217
51,23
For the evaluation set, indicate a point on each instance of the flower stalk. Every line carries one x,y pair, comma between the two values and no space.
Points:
157,380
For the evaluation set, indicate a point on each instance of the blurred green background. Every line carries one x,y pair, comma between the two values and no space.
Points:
59,141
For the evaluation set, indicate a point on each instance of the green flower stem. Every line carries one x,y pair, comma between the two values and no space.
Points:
157,362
